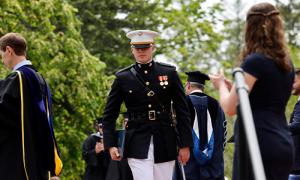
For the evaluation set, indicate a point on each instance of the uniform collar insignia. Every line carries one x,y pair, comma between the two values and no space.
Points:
145,66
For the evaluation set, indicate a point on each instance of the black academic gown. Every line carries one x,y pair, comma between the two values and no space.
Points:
96,164
214,168
30,157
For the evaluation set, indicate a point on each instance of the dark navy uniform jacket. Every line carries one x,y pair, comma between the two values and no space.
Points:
163,80
295,130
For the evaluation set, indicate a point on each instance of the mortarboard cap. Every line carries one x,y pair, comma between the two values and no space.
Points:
197,77
141,38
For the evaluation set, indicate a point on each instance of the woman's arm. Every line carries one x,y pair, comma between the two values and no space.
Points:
229,97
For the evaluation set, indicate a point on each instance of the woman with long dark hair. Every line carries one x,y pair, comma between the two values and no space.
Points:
269,75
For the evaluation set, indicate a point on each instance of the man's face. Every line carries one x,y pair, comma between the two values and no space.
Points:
187,88
296,85
144,55
6,56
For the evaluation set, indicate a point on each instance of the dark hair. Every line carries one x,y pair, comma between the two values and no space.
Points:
264,33
14,40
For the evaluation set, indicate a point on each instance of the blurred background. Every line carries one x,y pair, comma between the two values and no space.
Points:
78,45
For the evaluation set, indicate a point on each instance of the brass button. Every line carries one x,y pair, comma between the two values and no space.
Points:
146,72
147,83
149,105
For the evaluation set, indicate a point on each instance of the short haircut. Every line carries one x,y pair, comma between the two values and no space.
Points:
14,40
197,85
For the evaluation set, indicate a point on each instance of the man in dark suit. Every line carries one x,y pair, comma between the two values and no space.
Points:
28,146
295,124
147,89
96,158
209,131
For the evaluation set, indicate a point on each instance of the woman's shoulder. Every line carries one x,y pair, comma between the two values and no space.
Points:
257,60
256,64
257,57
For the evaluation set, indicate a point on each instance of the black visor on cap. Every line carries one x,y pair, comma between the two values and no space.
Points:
141,46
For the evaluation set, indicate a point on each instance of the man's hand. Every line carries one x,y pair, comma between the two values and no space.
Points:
114,154
99,147
184,155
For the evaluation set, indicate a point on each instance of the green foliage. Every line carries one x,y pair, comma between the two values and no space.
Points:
76,78
189,36
233,33
290,10
291,14
105,24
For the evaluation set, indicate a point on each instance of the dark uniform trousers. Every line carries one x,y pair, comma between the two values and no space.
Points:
148,115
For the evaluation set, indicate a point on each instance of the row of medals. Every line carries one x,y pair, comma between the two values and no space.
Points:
163,80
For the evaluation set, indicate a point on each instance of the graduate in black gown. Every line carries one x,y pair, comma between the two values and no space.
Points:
269,76
96,158
28,147
209,131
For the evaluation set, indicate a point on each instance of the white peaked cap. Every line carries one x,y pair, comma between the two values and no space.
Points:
141,36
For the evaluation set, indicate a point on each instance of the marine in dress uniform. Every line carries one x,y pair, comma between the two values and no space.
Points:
28,146
147,89
96,158
294,125
209,131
